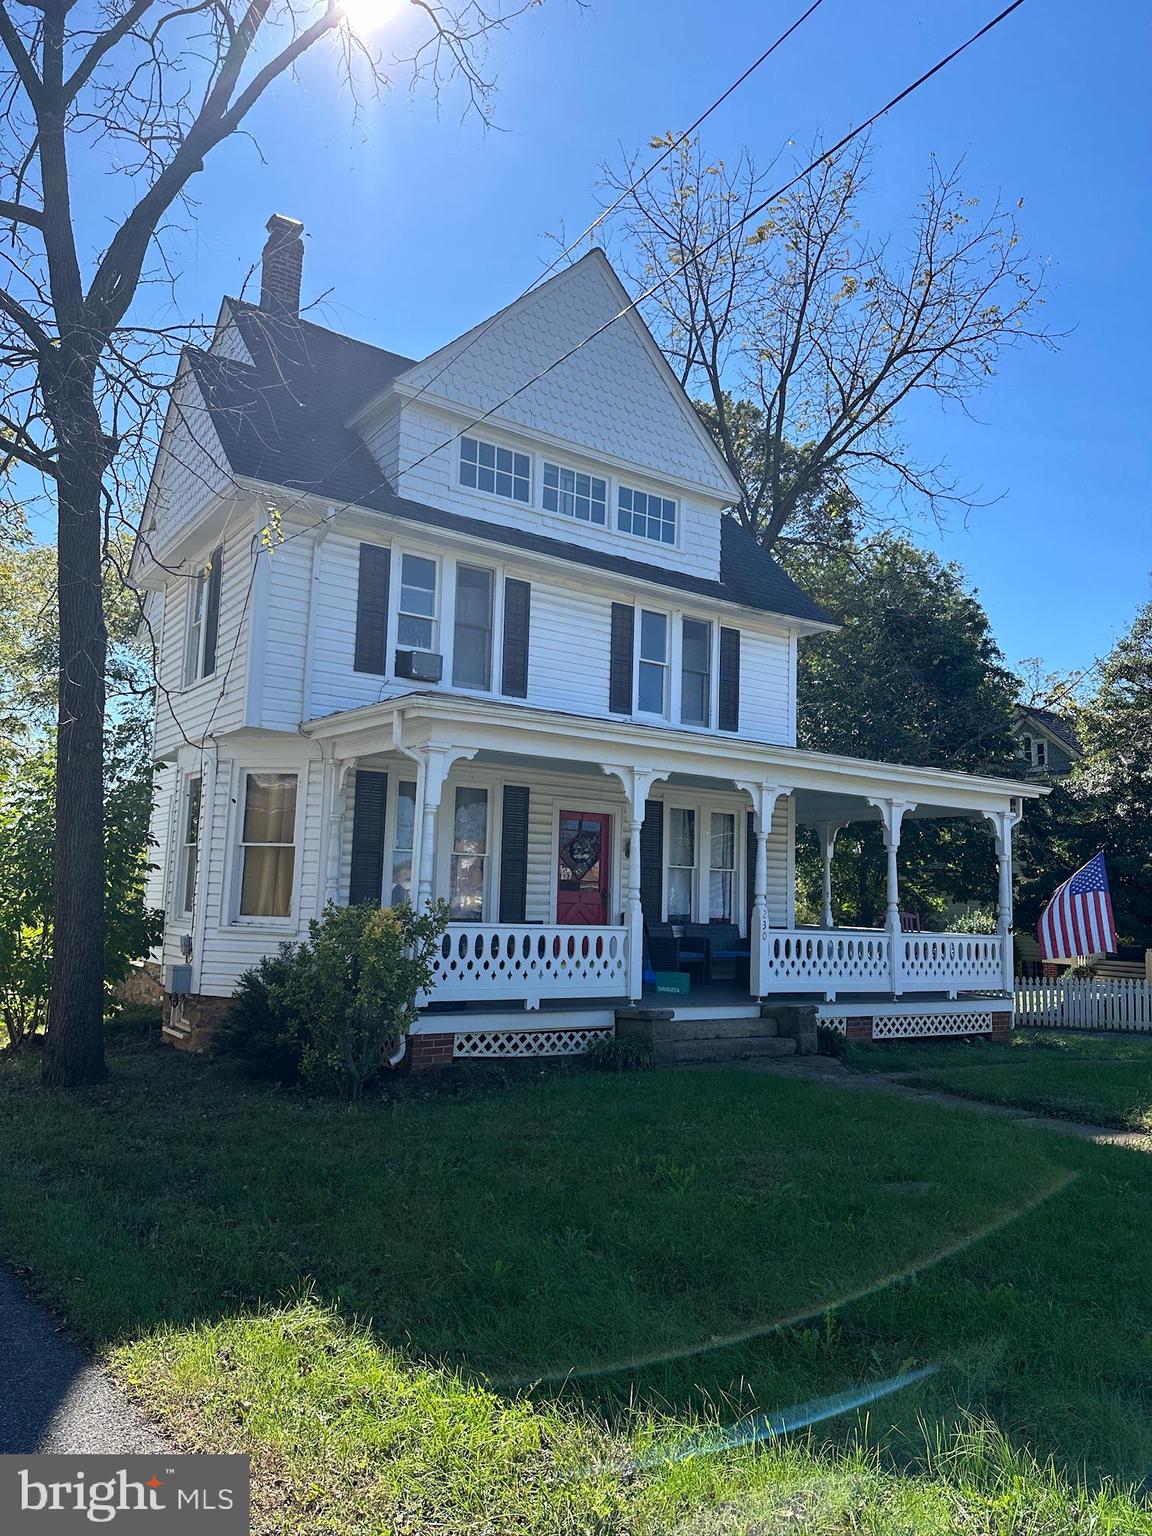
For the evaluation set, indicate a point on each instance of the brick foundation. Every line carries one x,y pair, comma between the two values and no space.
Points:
1001,1026
191,1025
143,986
426,1051
859,1029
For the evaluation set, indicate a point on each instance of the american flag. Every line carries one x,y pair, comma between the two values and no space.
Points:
1078,919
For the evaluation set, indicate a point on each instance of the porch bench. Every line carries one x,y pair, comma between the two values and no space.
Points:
722,941
669,951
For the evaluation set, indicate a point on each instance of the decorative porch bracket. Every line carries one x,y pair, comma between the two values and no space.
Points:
1002,824
827,832
637,783
764,797
892,813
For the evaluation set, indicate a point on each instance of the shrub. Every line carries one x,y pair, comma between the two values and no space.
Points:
331,1011
977,920
831,1042
618,1053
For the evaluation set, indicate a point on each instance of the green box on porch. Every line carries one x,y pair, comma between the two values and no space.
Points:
675,983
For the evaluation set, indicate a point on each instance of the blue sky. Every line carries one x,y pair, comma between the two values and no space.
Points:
420,223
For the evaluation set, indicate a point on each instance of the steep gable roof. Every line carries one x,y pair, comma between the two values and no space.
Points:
611,390
1056,725
285,424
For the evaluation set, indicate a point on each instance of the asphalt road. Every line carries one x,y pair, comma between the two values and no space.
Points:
52,1398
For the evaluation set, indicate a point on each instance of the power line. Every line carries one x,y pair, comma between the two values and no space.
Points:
662,282
669,149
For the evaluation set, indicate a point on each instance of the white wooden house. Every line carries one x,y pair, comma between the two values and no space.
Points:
504,647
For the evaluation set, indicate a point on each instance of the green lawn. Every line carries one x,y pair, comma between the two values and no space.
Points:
505,1309
1103,1079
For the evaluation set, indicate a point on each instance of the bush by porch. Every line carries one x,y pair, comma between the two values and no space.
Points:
653,1233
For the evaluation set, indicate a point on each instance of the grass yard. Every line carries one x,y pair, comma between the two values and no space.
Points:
526,1307
1105,1079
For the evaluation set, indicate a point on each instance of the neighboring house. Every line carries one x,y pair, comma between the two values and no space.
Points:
510,652
1047,742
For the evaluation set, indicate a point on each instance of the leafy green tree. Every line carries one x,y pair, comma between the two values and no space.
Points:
914,676
27,831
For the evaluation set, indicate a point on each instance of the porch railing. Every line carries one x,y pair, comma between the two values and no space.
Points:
528,962
939,962
824,960
832,960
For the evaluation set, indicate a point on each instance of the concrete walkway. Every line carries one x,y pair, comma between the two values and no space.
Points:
826,1069
52,1397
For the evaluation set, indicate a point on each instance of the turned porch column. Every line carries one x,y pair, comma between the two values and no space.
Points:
637,783
341,773
1002,824
764,798
827,832
434,765
892,813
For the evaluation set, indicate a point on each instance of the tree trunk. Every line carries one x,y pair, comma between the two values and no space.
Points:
74,1045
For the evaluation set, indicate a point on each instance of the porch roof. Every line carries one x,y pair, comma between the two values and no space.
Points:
826,787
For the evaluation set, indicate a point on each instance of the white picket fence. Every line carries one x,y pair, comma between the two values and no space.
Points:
1081,1003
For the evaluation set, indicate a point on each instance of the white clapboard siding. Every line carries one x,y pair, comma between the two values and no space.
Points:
184,714
568,646
427,440
191,468
1085,1003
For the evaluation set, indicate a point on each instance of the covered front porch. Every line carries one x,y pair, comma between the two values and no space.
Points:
591,863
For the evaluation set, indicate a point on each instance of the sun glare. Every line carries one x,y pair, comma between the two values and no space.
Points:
365,16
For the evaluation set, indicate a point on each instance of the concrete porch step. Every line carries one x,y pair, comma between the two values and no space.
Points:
746,1048
717,1029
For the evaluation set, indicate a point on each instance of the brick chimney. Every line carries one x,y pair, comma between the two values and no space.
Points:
281,266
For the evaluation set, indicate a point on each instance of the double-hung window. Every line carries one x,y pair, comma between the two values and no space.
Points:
472,640
722,867
696,672
403,842
204,619
499,471
189,844
681,862
645,515
584,497
268,845
653,667
468,877
416,612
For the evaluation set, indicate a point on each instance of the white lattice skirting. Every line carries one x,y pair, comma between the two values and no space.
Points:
507,1043
901,1026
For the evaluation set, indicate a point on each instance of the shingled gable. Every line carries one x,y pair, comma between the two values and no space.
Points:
281,420
583,316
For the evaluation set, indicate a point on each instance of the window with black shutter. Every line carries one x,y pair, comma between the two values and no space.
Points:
368,815
517,623
372,609
514,854
622,642
729,692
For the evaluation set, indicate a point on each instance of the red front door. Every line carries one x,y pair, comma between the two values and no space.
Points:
582,884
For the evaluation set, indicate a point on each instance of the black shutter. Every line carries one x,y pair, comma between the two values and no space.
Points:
517,620
212,611
372,610
620,664
729,680
514,854
368,837
652,861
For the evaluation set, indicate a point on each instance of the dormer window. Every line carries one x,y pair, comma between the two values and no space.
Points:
584,497
499,471
645,515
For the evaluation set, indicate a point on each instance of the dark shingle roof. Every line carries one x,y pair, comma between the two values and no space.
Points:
1057,725
283,418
